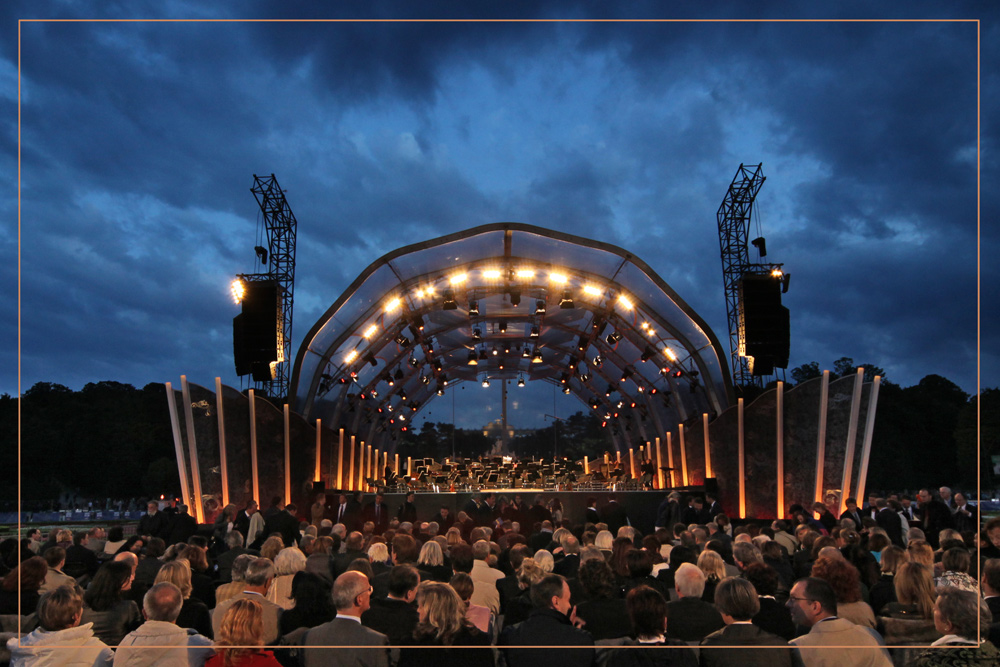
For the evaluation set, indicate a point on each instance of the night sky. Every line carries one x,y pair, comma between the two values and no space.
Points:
139,141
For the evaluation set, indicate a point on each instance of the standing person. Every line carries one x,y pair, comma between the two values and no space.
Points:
614,514
442,623
352,597
552,622
935,516
160,641
318,511
408,510
284,522
966,516
182,527
814,605
889,521
153,523
60,637
377,512
737,602
241,638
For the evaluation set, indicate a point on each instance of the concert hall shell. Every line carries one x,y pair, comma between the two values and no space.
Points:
517,302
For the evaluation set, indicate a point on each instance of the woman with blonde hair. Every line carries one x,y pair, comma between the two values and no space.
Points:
288,561
431,560
271,548
519,606
241,634
920,551
442,623
378,554
914,584
604,541
194,613
545,560
714,568
454,536
884,590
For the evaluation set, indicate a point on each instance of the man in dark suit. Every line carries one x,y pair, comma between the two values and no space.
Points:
990,582
183,526
341,512
395,616
569,564
356,511
408,510
736,600
614,515
853,513
80,561
234,540
965,516
508,587
444,519
590,515
354,548
284,522
689,618
378,513
889,521
935,516
242,520
542,538
358,645
712,505
552,622
153,523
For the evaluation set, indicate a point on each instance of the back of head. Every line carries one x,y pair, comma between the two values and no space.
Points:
518,553
737,597
843,577
461,557
404,548
763,577
59,609
105,591
462,583
480,550
178,574
403,579
234,539
639,563
444,611
647,609
54,555
597,578
991,574
242,626
259,572
347,588
956,559
914,585
820,591
964,611
746,552
289,561
920,551
240,565
163,602
689,581
542,591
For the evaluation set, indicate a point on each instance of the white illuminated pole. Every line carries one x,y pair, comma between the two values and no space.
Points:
824,398
659,465
866,449
708,450
223,467
742,465
780,429
199,510
852,437
253,447
684,460
288,457
178,445
670,458
318,475
340,461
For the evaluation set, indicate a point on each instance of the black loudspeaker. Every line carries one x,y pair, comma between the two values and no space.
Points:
766,323
318,488
712,486
255,330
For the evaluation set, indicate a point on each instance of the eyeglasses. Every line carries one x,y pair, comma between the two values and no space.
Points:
792,598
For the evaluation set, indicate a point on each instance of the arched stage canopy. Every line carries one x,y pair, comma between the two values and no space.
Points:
510,301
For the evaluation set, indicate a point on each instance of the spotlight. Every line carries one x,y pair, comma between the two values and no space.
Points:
440,390
402,395
520,380
500,364
473,308
594,404
626,374
402,340
640,388
613,338
506,347
564,379
389,380
537,357
598,325
581,343
374,393
678,373
473,359
534,331
399,374
437,365
425,379
539,307
526,353
495,351
761,245
567,390
477,334
261,253
238,289
370,358
502,326
413,362
486,383
443,379
515,296
647,353
598,361
567,300
610,390
449,300
482,354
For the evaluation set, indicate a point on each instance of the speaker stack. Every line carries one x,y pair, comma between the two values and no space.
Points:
765,323
255,330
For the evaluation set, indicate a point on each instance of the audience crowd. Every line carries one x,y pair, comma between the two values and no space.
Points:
892,581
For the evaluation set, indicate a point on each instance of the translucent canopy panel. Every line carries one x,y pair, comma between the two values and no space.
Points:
513,301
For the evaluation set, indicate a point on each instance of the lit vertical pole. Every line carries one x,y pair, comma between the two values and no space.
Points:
708,450
742,464
223,467
409,466
659,464
253,448
824,398
199,510
178,445
866,448
684,459
396,469
288,457
350,467
360,474
670,458
377,468
318,475
586,466
340,462
631,462
780,454
852,437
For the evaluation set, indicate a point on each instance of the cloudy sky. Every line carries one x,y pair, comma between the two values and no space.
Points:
139,142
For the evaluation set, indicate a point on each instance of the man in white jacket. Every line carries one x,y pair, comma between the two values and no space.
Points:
159,642
60,639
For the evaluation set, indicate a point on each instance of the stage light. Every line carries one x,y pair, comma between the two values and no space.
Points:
564,379
539,307
761,245
495,351
525,273
374,393
354,376
520,380
626,374
449,302
401,417
598,361
402,395
238,289
591,290
491,274
625,302
534,332
500,364
581,343
594,404
388,406
437,365
598,325
526,353
389,380
558,278
473,308
402,340
640,388
482,354
413,362
393,304
261,253
458,279
506,347
486,382
473,360
370,358
652,391
515,296
776,273
646,354
620,404
536,358
566,301
613,338
610,390
784,282
678,373
567,390
399,373
440,390
443,379
370,331
425,379
502,326
477,334
350,356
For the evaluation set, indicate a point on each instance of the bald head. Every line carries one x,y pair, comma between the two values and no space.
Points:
163,602
352,593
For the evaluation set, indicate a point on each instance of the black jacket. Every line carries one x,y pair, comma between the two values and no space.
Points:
691,619
546,627
393,618
745,634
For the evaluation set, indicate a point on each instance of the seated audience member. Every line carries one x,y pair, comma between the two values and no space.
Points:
647,614
914,585
105,607
395,615
640,570
60,638
80,560
545,560
846,584
714,567
318,562
481,617
271,547
773,617
814,606
551,623
884,590
256,582
442,623
431,560
604,612
955,562
55,557
920,551
234,549
193,614
960,616
463,559
240,640
115,541
313,604
147,567
990,581
289,561
237,573
689,618
352,594
160,642
508,587
202,584
24,581
738,602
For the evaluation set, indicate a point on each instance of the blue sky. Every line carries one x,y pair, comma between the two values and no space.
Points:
139,141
